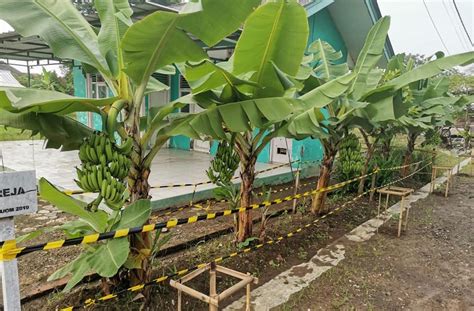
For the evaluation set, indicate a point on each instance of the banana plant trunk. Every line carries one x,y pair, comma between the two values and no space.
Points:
368,158
386,147
139,188
317,206
467,130
408,153
247,175
365,169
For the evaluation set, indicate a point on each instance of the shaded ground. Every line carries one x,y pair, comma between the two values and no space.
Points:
429,268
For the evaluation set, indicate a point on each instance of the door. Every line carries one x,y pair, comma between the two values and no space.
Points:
280,149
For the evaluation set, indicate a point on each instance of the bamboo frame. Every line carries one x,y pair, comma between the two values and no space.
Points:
214,298
449,181
401,192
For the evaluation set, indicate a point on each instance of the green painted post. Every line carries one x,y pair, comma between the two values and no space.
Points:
178,142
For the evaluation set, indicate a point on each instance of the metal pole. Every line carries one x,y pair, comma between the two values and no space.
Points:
9,270
29,74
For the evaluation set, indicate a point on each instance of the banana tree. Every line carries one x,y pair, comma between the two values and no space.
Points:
431,108
342,111
424,100
251,97
366,100
126,54
373,131
243,98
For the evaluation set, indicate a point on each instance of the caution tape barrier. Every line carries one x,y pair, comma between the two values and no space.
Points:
10,250
399,167
92,301
199,206
73,192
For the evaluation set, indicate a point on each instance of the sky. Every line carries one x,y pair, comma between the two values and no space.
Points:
412,30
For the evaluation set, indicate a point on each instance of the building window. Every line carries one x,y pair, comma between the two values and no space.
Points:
96,88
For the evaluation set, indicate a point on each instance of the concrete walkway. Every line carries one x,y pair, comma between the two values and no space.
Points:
171,166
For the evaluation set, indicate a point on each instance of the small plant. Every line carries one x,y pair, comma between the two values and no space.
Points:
246,243
302,253
221,171
395,158
265,216
301,207
432,138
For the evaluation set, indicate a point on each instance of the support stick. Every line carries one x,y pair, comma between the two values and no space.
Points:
192,197
297,185
372,186
213,286
9,270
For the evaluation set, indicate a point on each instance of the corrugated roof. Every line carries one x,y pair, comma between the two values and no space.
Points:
7,79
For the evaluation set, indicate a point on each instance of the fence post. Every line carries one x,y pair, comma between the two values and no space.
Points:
21,199
297,185
372,186
9,270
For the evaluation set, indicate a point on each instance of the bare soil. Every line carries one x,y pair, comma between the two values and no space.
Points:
266,263
431,267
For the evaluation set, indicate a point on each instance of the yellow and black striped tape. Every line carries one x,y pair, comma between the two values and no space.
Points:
92,301
72,192
200,206
399,167
10,250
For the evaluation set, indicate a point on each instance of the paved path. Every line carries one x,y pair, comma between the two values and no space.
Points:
171,166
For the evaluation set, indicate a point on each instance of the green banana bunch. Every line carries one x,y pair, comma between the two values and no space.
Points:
224,164
350,161
104,168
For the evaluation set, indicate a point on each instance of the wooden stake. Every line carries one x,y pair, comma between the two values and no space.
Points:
297,185
402,206
213,286
433,179
247,298
372,186
448,181
180,297
192,197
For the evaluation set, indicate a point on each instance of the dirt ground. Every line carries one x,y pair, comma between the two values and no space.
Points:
265,264
431,267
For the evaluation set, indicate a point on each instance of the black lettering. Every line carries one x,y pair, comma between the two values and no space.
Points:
11,192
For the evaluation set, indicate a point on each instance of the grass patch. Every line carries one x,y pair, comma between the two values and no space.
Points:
10,134
446,159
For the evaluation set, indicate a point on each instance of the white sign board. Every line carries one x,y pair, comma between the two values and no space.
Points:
18,193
